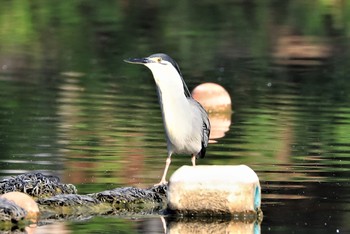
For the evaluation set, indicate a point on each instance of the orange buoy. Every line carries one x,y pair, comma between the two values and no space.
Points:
26,202
213,97
217,102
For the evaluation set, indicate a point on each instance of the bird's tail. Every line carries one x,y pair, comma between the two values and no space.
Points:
201,153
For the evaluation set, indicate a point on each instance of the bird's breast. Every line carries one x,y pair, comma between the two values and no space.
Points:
178,121
179,114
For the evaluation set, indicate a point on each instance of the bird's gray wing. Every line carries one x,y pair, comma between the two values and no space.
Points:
205,129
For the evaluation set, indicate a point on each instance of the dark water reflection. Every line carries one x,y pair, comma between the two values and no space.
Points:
70,107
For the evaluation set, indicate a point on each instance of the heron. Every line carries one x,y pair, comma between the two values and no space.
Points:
186,122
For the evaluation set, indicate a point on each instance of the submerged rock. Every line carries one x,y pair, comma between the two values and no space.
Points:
132,195
72,206
127,200
36,185
68,200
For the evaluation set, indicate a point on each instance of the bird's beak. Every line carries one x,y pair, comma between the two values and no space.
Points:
137,60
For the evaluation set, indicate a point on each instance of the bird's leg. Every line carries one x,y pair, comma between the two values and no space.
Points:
167,164
193,160
164,223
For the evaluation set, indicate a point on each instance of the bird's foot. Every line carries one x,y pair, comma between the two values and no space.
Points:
162,182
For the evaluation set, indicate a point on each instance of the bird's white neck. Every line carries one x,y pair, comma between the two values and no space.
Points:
171,90
173,101
167,78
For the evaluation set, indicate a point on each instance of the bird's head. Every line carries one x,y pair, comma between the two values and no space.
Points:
156,62
165,70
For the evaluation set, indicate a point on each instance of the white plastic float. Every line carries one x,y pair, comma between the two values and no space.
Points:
214,190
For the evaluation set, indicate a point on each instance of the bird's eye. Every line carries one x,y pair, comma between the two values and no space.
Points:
159,60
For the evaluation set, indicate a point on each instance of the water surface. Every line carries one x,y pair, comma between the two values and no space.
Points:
71,107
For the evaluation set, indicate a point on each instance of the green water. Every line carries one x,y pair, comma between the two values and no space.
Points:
70,106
